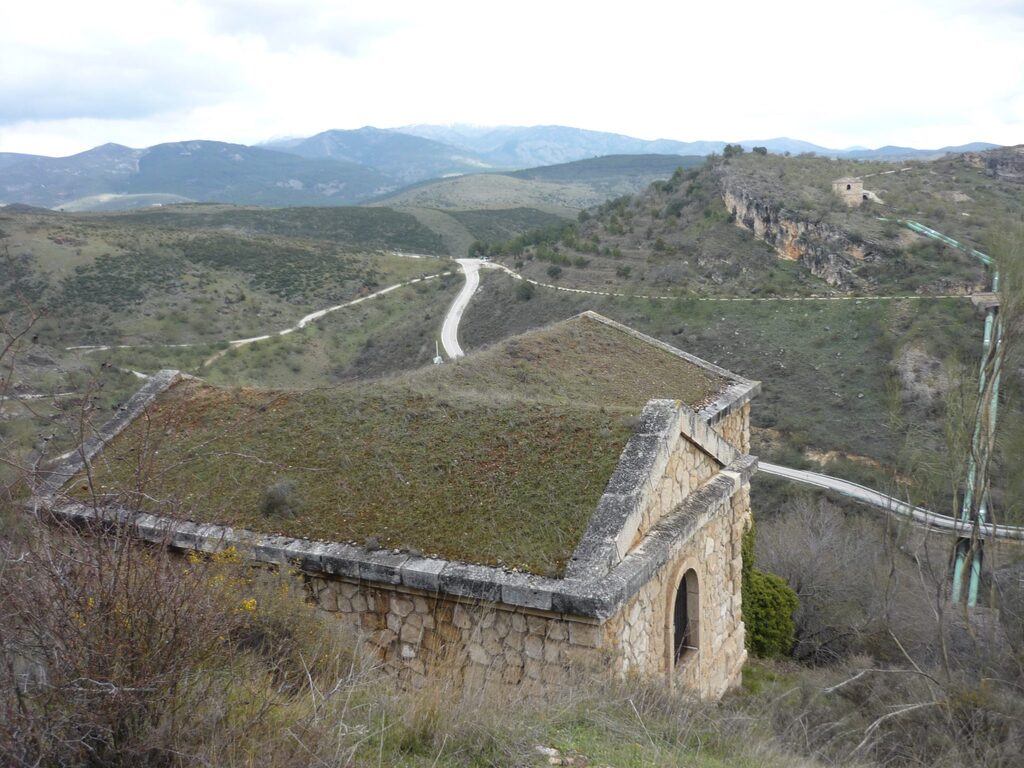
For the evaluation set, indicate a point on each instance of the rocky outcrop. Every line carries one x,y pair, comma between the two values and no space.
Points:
827,251
1004,163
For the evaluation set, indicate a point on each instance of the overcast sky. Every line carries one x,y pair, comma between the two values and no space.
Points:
864,72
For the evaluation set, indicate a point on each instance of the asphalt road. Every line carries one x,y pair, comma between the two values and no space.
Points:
888,503
450,329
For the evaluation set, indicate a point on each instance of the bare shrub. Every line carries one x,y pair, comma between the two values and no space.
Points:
838,579
280,499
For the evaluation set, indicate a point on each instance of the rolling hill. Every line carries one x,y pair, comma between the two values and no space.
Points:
562,189
205,171
345,167
400,156
549,144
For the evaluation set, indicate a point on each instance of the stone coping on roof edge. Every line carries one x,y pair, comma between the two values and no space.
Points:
736,394
75,461
597,598
635,481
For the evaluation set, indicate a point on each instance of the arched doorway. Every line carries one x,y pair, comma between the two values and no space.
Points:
685,617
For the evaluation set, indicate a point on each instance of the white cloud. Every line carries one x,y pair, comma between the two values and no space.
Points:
293,24
912,72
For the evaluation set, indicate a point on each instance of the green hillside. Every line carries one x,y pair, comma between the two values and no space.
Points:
352,226
561,189
610,166
113,175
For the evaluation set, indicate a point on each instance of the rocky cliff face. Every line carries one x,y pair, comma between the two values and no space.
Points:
1006,163
827,251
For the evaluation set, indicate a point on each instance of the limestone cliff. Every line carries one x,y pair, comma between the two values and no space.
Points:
1005,163
826,250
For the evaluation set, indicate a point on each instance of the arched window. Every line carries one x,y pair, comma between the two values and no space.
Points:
685,616
848,187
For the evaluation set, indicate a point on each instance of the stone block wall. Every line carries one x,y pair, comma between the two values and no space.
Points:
415,635
644,628
735,428
688,467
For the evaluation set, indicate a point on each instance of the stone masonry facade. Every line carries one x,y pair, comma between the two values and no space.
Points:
663,545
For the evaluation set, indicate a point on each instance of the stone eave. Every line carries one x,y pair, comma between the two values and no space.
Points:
632,486
73,462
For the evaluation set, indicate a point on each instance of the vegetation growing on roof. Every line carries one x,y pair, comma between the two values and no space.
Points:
581,360
503,483
499,459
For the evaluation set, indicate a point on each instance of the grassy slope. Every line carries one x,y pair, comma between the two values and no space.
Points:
674,238
491,225
121,280
487,190
389,333
952,195
949,195
577,362
632,167
376,227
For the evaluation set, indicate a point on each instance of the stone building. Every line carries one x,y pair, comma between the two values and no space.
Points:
850,189
643,563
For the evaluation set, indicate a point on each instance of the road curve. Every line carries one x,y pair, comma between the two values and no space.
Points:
450,328
893,506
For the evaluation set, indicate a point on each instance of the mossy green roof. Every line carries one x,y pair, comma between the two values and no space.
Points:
583,360
499,459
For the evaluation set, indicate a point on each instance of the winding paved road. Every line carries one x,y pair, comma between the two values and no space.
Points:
894,506
450,328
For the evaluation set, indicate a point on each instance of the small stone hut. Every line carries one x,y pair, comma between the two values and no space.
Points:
568,500
850,189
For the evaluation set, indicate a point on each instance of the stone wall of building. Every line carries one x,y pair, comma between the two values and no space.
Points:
850,190
644,629
735,428
415,635
688,467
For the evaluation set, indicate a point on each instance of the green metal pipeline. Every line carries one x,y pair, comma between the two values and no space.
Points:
991,344
976,562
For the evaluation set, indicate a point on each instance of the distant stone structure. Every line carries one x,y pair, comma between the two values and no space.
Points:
653,588
850,189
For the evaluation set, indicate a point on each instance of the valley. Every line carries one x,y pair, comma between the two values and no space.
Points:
673,261
863,334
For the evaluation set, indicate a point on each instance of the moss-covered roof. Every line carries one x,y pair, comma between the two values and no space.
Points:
499,459
583,360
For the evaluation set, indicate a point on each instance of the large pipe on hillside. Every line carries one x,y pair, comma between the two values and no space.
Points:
982,438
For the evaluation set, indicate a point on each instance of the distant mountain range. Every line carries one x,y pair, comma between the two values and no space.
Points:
549,144
339,167
403,157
